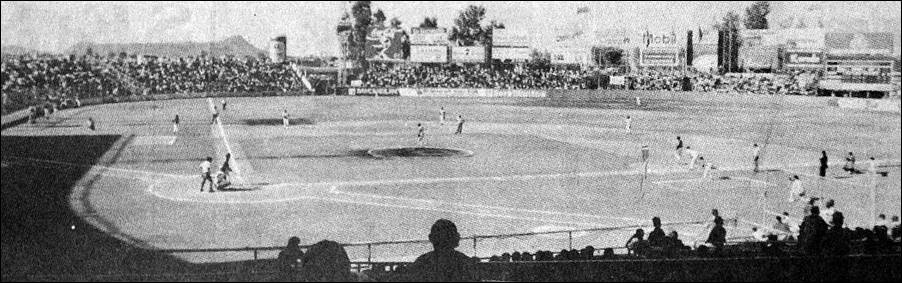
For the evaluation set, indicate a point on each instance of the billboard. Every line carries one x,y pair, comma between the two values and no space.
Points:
653,57
468,54
503,37
516,54
802,59
429,53
563,55
385,43
429,36
859,43
661,39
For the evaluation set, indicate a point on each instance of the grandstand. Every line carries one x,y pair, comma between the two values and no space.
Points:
538,180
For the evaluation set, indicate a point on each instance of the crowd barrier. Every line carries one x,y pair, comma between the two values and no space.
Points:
470,92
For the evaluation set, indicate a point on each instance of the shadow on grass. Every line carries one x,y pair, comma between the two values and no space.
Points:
38,240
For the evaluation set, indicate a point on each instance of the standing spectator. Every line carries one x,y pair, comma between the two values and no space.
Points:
327,261
823,168
656,238
443,263
812,232
290,259
718,236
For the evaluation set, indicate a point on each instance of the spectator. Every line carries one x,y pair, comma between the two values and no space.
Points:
812,232
773,247
827,213
836,240
673,245
290,259
587,253
718,236
443,263
758,235
656,238
881,222
327,261
782,229
608,253
637,244
895,230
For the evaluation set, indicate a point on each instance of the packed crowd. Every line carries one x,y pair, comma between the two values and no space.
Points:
56,78
478,76
471,76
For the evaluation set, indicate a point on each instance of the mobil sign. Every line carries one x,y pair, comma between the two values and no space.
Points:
660,39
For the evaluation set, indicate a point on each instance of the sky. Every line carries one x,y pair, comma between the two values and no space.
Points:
310,26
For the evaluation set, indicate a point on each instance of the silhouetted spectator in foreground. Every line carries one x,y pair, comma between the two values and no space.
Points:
637,244
773,247
837,239
718,235
327,261
895,230
443,263
587,253
812,232
673,246
656,237
289,260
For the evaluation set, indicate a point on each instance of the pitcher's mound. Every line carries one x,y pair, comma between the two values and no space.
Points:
419,152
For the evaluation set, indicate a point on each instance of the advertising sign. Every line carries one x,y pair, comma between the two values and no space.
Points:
570,56
428,36
429,53
659,57
468,54
802,59
503,37
859,43
517,54
758,57
661,39
385,44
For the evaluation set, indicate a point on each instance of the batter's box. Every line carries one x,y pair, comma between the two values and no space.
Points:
716,183
154,140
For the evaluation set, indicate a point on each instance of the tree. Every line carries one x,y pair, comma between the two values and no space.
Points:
468,28
756,15
378,18
429,22
361,14
728,42
609,56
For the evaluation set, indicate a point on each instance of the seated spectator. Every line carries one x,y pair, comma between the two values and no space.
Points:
895,230
718,236
812,232
637,244
327,261
505,257
773,247
608,253
526,256
836,240
587,253
758,235
515,256
290,259
782,229
443,263
673,246
656,237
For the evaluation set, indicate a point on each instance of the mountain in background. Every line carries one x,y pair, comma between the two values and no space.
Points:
231,46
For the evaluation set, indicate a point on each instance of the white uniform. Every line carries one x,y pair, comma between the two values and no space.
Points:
629,124
441,117
285,119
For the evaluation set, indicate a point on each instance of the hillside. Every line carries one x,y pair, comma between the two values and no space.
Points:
235,45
